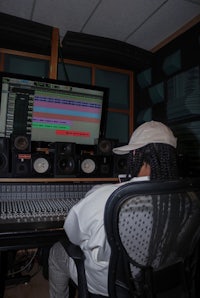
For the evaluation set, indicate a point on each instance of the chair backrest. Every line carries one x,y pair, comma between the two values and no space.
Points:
153,229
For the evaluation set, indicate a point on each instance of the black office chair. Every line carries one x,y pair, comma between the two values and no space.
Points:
153,229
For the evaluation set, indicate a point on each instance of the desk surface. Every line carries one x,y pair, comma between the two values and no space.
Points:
90,180
30,239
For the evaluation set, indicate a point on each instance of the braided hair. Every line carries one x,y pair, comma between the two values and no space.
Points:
161,158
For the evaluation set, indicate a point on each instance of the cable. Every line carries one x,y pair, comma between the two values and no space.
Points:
63,63
26,266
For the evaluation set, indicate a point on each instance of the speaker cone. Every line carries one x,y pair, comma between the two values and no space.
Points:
22,169
21,143
41,165
105,146
88,166
66,165
3,161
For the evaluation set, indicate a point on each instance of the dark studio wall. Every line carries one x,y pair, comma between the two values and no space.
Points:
169,91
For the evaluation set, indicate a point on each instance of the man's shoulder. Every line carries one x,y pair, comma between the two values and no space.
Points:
100,187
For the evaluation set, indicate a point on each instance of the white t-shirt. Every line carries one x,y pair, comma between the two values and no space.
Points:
84,226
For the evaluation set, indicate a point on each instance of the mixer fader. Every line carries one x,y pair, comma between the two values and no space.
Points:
38,205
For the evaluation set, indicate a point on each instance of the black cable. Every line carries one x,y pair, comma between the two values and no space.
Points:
63,63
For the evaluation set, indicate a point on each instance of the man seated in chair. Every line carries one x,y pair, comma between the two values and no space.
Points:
152,155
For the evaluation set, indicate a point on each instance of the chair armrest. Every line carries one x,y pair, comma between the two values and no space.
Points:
76,253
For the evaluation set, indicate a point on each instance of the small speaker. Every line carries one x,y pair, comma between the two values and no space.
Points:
21,155
21,143
21,164
65,160
88,166
4,157
120,164
42,164
105,166
105,146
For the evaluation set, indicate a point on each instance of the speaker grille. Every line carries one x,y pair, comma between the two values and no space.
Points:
88,166
65,160
105,146
4,157
120,164
42,165
21,143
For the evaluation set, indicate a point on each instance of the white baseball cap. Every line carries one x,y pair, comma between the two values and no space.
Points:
149,132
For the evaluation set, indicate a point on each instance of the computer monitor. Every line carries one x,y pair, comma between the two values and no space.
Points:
52,110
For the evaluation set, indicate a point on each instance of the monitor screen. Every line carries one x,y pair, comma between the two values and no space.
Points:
51,110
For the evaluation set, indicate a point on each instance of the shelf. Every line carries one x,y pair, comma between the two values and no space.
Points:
46,180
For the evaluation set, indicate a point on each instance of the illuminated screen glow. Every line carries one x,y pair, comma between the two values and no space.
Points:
52,111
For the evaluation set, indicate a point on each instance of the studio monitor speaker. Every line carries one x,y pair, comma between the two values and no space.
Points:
105,146
4,157
120,164
105,166
88,165
21,155
65,160
42,164
96,166
21,164
21,143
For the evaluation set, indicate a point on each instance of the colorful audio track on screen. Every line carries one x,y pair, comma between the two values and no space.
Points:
51,110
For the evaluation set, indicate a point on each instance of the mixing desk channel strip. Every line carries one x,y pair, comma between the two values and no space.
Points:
37,205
